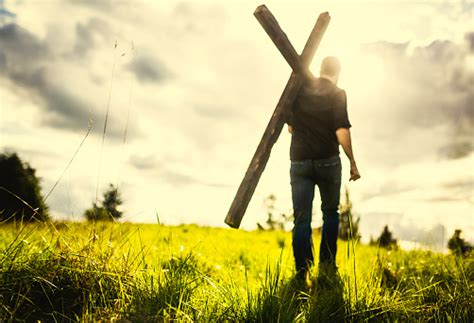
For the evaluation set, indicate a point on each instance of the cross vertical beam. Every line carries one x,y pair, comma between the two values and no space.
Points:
272,132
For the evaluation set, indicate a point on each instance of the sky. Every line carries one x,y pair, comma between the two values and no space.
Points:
189,86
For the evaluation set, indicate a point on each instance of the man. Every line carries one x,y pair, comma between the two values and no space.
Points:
319,124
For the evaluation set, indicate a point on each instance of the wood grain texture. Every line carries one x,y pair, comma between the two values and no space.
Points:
272,132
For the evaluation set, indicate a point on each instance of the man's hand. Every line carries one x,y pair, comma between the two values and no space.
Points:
355,175
344,138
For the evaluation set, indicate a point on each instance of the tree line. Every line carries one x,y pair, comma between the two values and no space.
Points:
21,200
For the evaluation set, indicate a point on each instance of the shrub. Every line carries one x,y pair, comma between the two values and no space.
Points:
386,239
348,223
20,191
109,207
458,245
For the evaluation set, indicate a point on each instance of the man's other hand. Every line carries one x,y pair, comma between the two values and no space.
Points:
355,175
344,138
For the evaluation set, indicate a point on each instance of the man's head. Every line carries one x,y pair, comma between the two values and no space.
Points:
330,68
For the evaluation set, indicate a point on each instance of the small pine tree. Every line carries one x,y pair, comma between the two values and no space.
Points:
270,204
386,239
458,245
348,222
20,193
107,211
112,200
274,222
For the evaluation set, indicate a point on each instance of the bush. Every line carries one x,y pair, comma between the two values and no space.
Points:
386,239
108,211
348,223
20,191
274,221
458,245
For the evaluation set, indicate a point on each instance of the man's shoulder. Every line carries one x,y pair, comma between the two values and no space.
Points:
322,87
335,88
338,92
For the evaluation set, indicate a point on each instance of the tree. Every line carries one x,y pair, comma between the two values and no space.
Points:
274,221
458,245
108,210
386,239
348,223
20,191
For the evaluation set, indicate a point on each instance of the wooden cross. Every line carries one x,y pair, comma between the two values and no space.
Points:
300,65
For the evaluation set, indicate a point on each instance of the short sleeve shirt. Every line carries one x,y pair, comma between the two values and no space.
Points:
319,110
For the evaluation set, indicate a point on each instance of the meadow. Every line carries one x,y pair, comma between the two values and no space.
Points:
153,273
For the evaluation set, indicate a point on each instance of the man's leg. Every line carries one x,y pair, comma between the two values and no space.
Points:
329,188
302,189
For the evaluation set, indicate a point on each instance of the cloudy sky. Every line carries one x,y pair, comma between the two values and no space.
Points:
190,86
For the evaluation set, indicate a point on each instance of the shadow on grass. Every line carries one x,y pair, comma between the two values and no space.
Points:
277,300
290,300
52,287
167,296
327,303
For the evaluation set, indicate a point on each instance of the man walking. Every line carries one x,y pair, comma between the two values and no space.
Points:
319,124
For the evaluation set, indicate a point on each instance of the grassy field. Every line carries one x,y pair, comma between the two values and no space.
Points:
141,273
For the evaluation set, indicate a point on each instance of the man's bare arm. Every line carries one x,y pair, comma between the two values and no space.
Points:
344,138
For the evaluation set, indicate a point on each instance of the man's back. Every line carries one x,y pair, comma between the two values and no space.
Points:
319,111
318,124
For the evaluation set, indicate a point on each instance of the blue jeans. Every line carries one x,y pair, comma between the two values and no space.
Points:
326,173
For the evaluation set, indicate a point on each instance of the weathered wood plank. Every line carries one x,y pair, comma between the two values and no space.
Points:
275,125
279,38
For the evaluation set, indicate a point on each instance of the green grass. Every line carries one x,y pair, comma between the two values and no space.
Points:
147,273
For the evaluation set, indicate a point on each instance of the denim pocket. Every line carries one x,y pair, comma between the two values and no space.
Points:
300,168
331,173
